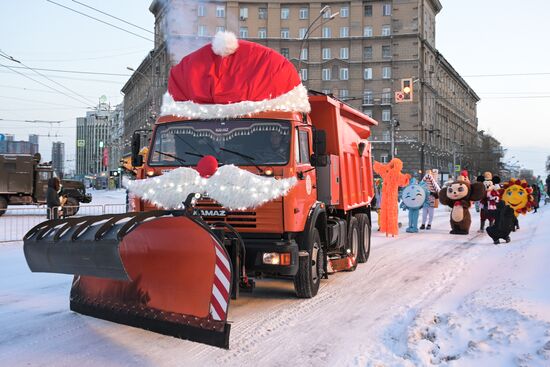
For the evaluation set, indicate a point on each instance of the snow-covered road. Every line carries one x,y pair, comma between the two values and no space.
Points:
422,299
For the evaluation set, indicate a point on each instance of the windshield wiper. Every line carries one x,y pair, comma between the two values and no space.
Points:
247,157
181,160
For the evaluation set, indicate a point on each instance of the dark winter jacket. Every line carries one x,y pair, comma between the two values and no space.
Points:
52,197
504,222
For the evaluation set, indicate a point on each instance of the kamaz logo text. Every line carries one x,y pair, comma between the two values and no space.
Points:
210,213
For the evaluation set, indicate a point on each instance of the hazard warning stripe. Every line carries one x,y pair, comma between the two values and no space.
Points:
221,286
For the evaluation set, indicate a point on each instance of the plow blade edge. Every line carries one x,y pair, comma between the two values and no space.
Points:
154,270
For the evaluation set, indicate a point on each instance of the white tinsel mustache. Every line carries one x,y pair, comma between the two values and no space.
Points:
231,186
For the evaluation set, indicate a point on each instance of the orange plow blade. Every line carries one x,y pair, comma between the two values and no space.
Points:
158,270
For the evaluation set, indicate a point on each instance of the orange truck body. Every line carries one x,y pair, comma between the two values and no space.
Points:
344,187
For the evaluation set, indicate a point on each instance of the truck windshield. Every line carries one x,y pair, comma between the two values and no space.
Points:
238,142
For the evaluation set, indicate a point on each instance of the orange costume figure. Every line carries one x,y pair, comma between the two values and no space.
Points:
392,179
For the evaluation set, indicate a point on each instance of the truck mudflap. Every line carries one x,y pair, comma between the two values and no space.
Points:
161,271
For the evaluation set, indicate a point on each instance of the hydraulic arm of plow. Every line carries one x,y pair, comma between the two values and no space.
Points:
164,271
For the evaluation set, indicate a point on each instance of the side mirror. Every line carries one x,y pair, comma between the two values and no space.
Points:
137,159
319,142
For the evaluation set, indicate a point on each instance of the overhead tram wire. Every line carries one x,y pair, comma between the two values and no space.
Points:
71,78
76,71
44,84
112,16
99,20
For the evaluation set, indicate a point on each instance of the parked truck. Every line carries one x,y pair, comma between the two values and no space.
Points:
24,180
173,264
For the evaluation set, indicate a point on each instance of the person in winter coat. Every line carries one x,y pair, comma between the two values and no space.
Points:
429,205
53,201
505,220
536,196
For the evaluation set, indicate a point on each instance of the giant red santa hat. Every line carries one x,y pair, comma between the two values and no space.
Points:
232,78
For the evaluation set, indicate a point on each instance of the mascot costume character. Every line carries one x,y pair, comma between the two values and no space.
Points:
413,198
515,198
392,179
488,203
458,196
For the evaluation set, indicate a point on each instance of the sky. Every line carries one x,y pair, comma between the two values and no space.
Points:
479,38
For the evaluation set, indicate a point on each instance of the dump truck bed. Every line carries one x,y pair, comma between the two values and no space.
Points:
346,129
17,174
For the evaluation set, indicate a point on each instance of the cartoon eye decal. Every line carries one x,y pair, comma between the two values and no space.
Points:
520,192
509,193
450,190
460,189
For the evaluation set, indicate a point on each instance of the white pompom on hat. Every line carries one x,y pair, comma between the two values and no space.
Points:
224,43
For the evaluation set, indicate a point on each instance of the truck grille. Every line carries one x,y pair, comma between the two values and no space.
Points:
212,212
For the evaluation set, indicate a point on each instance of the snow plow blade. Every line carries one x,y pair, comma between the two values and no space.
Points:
160,270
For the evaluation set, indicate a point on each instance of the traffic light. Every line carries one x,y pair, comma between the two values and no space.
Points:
113,173
407,90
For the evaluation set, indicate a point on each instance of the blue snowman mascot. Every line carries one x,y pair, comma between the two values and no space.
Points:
413,198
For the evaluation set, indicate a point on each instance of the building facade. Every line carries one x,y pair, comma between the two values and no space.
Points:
33,139
116,134
358,51
58,157
92,138
12,146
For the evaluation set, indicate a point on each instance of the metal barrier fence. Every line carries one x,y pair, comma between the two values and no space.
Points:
15,222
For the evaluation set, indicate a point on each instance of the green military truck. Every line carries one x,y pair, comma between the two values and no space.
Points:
24,181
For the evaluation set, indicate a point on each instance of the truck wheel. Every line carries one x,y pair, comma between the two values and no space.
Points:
364,237
310,268
353,242
72,207
3,205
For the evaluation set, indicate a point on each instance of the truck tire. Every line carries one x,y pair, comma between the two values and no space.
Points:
71,207
3,205
353,241
364,237
310,268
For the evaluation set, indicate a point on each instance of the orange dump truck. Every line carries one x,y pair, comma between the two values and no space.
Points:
230,191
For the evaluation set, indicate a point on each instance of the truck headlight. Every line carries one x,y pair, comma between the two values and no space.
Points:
276,258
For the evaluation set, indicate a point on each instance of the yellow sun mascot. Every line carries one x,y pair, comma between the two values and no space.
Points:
518,195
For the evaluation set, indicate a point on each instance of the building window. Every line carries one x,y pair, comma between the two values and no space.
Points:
326,74
201,10
243,32
303,74
368,112
262,13
243,12
386,30
344,53
367,97
326,53
384,158
344,31
386,115
386,96
220,11
368,10
344,12
326,32
203,30
220,29
285,12
284,52
326,91
327,14
367,31
367,53
344,73
386,52
386,10
262,33
367,74
302,33
386,72
303,54
343,93
304,13
285,33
